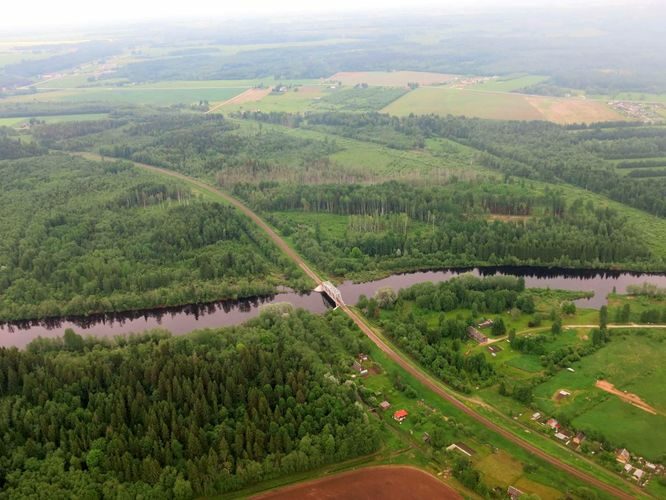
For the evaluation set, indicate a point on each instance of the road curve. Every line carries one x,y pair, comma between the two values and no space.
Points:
424,378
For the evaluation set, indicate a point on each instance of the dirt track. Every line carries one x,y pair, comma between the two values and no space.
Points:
407,365
388,483
627,397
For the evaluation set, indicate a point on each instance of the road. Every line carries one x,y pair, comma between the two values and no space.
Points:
404,363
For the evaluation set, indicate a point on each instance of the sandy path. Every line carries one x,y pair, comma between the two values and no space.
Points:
627,397
250,95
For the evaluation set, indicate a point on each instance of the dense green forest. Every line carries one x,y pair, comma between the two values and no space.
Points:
161,417
395,226
82,237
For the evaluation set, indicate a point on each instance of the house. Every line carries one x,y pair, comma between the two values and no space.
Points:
650,466
536,415
359,368
475,334
553,424
563,435
579,438
514,492
638,474
486,323
400,415
563,394
623,456
362,357
628,468
462,448
384,405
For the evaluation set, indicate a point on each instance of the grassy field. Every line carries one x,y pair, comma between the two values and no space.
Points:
15,122
508,84
633,362
500,105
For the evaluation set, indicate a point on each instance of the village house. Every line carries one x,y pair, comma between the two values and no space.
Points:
563,435
400,415
579,438
553,424
628,468
486,323
384,405
623,456
362,357
563,394
638,475
514,492
536,415
359,368
476,335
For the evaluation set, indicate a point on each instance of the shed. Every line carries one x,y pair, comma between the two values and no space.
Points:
400,415
462,448
384,405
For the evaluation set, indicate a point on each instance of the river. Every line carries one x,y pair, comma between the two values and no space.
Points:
181,320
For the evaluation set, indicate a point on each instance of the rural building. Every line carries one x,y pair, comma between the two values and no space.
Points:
579,438
563,435
623,456
553,424
563,394
384,405
362,357
357,367
536,415
628,468
486,323
476,335
571,370
462,448
400,415
514,492
638,474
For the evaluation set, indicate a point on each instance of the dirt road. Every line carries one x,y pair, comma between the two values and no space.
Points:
406,364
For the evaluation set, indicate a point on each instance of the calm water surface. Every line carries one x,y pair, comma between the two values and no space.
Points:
182,320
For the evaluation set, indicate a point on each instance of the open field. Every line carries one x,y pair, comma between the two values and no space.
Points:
507,84
146,95
16,121
391,78
632,362
500,106
391,483
292,101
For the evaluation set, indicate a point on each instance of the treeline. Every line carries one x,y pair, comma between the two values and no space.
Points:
440,347
12,147
394,227
161,417
82,237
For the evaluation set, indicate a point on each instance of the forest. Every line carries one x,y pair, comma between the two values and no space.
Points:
154,416
396,227
82,237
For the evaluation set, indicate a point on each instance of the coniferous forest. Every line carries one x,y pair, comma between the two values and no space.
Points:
160,417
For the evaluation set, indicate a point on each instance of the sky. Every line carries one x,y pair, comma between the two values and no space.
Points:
18,15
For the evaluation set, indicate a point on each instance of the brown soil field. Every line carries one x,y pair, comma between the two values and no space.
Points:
391,78
387,483
572,110
250,95
627,397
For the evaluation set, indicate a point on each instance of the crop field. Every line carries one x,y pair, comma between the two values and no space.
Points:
155,96
500,106
633,362
295,100
391,78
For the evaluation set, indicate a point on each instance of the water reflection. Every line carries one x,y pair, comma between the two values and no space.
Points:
180,320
